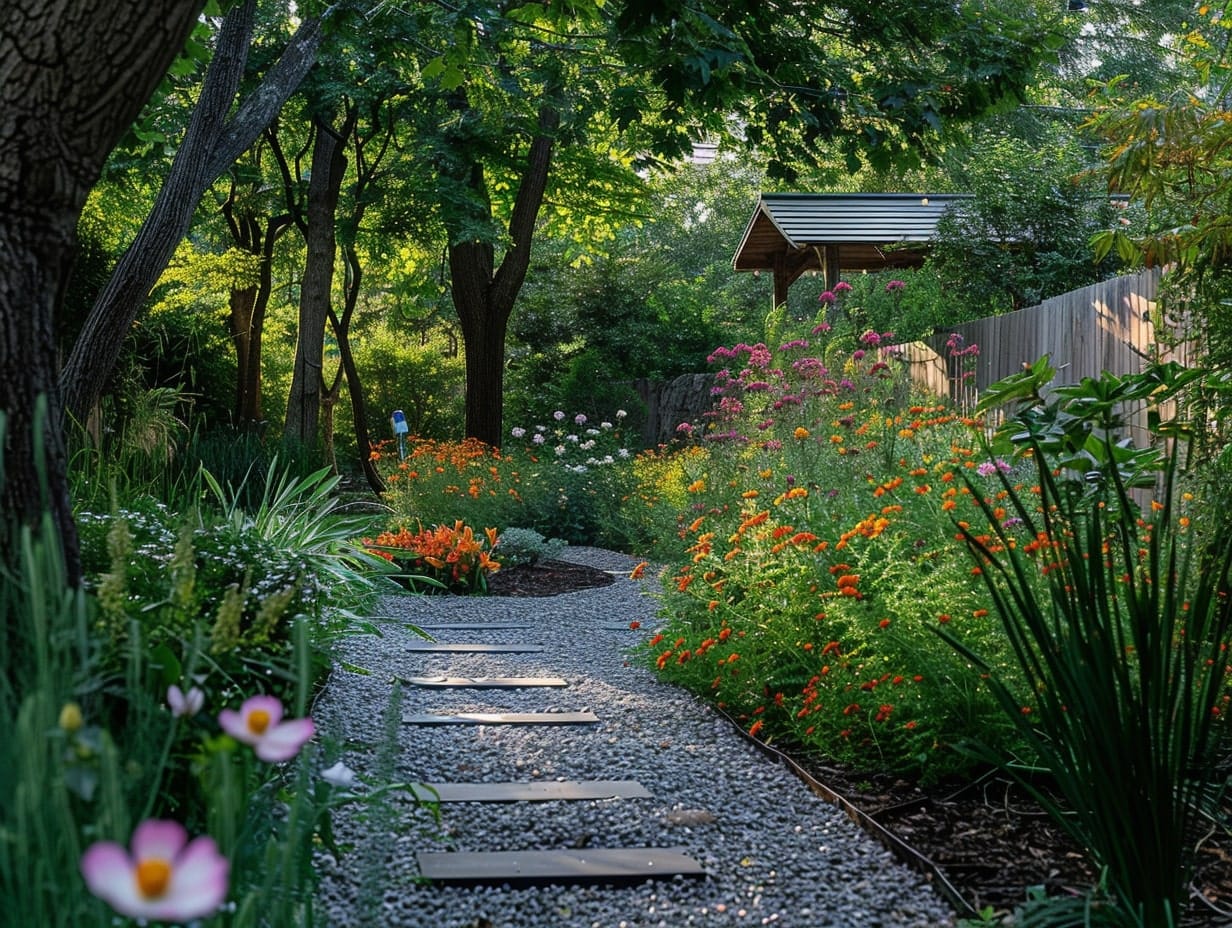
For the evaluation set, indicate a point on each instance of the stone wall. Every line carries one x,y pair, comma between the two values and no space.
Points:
669,402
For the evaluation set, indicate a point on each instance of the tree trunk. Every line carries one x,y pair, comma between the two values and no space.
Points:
246,321
359,408
75,78
210,146
316,289
484,298
243,304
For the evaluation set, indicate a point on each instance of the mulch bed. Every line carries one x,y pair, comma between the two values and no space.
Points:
546,578
988,838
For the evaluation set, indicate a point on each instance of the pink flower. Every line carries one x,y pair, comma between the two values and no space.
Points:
259,723
166,877
185,704
894,285
842,287
827,297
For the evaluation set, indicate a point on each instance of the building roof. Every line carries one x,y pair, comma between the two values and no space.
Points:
867,231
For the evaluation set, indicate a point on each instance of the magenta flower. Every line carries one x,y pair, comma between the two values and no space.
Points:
842,287
185,704
827,296
820,327
259,723
166,877
894,285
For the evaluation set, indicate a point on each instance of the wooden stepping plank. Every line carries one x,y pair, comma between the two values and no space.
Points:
588,865
484,683
540,791
460,626
455,647
472,626
504,718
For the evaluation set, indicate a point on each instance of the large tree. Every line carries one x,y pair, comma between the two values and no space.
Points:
216,136
72,79
513,91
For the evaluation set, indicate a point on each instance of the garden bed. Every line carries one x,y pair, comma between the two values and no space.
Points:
988,838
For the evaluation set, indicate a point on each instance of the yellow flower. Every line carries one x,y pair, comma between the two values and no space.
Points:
70,717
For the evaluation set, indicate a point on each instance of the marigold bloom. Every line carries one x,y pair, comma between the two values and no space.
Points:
166,877
800,433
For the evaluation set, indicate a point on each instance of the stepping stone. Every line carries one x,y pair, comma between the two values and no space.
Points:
471,626
483,683
539,791
504,718
588,865
454,647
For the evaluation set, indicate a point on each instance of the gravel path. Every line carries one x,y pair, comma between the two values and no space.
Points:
775,854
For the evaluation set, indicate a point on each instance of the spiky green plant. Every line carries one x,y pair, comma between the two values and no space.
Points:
1119,622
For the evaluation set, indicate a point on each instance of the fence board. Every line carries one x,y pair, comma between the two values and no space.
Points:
1104,327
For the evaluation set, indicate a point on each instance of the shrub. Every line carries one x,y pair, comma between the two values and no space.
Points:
815,557
524,546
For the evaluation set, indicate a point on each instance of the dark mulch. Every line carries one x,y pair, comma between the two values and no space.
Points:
988,838
546,578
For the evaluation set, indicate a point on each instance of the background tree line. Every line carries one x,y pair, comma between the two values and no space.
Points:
312,180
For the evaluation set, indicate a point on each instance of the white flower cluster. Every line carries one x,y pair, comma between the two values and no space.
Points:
602,444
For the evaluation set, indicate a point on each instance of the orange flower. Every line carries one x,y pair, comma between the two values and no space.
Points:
637,571
756,727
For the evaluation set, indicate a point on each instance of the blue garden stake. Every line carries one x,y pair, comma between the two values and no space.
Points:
398,422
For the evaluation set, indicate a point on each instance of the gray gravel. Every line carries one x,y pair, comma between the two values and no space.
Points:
775,854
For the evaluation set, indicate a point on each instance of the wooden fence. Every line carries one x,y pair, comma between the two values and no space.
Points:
1104,327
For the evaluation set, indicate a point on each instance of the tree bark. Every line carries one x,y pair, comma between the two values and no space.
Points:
75,76
246,322
359,407
316,289
211,144
484,295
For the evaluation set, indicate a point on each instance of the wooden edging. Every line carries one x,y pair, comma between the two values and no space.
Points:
890,841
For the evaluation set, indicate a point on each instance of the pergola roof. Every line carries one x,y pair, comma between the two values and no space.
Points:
790,233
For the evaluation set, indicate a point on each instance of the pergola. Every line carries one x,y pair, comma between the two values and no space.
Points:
791,233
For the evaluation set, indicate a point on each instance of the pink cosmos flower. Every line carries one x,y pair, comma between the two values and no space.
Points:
166,877
259,723
185,704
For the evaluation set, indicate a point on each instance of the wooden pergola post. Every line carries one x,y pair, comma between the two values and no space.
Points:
782,280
